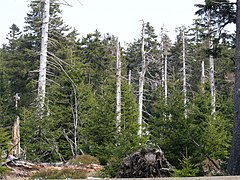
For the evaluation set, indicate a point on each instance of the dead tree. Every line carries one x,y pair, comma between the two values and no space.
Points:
211,66
16,148
43,59
184,73
203,77
141,82
118,86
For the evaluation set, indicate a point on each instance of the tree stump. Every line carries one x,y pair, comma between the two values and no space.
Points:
145,163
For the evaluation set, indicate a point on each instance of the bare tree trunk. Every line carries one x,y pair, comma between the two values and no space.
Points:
75,120
43,59
164,64
203,78
16,150
165,77
211,71
184,73
118,88
162,59
141,83
129,76
16,138
233,167
212,85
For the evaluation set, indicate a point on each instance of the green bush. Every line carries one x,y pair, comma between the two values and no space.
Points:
188,169
84,159
4,146
3,171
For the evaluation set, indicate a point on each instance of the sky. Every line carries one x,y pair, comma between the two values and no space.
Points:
118,17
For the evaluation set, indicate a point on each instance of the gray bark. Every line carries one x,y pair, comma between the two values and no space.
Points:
164,65
75,120
43,59
141,83
234,160
118,88
211,66
203,78
184,74
129,76
165,77
163,62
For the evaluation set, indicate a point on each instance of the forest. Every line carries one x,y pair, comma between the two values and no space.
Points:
99,97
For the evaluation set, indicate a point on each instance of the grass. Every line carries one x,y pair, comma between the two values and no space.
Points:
60,174
84,159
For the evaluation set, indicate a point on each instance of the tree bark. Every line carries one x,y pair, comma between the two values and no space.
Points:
75,119
43,59
165,77
16,148
16,138
163,65
129,77
141,83
203,78
184,73
211,66
118,88
234,160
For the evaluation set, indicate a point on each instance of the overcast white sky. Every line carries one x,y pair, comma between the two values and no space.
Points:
118,17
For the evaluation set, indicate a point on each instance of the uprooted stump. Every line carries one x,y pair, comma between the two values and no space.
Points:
145,163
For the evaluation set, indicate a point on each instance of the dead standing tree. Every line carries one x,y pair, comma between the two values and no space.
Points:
141,82
211,64
184,72
118,86
43,59
16,149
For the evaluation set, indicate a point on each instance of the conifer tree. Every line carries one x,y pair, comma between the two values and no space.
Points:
59,53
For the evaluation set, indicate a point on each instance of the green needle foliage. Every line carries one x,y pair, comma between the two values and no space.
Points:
80,114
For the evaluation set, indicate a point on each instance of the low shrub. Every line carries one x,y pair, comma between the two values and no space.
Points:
84,159
61,174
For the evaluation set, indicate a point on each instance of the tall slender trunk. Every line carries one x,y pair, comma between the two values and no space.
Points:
212,85
165,77
211,66
203,78
43,58
129,76
16,131
164,65
233,167
16,137
118,87
141,83
184,74
75,120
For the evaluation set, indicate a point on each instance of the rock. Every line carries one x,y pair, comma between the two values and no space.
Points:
145,163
